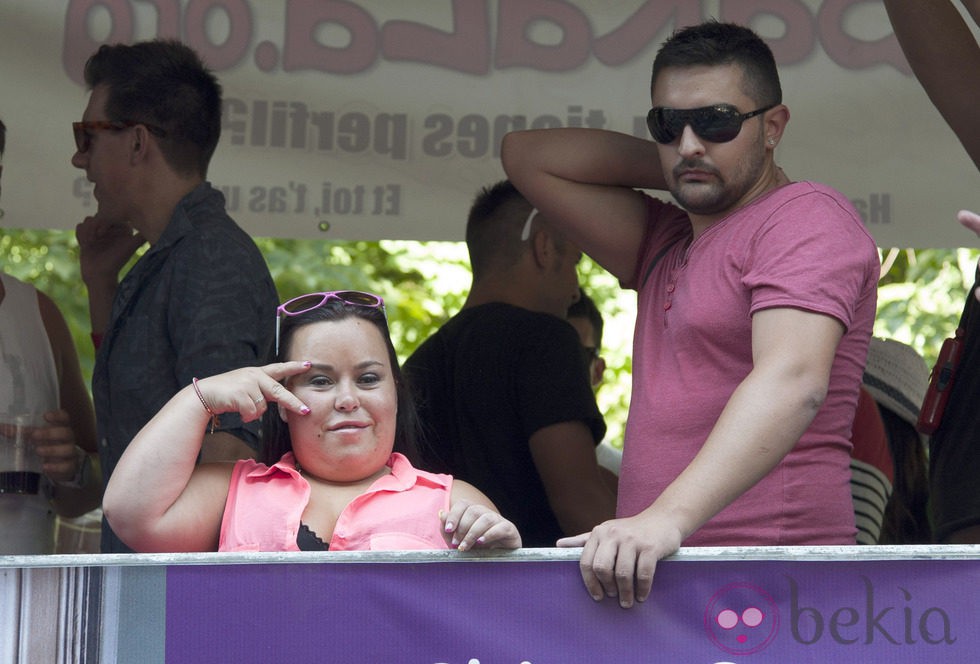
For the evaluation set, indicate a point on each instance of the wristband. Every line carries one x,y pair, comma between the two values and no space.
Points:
214,416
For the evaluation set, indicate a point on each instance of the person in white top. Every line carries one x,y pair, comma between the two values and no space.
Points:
40,376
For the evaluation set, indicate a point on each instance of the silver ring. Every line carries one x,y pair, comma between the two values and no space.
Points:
259,400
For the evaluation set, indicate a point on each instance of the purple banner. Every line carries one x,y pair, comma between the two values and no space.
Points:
536,612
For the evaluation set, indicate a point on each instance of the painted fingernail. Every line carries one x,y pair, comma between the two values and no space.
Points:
481,540
304,410
307,364
449,526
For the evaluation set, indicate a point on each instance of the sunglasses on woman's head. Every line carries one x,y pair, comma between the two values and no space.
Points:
304,303
718,124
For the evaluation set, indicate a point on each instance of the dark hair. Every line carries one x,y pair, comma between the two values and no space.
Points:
906,519
3,137
493,228
163,83
586,308
713,43
276,440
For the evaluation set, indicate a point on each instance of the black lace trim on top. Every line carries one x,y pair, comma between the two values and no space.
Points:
307,540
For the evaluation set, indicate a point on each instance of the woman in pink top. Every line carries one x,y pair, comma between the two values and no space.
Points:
336,410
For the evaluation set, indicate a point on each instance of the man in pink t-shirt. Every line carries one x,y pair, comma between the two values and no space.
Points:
756,301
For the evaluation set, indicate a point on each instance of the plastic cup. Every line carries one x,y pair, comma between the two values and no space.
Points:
20,466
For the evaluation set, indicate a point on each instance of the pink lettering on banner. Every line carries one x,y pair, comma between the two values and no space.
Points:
302,51
168,14
79,45
465,49
235,47
471,47
514,48
850,53
800,37
639,30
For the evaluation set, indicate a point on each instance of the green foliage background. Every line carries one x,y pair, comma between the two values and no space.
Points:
920,297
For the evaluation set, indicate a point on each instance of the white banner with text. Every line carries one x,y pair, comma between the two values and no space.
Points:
368,119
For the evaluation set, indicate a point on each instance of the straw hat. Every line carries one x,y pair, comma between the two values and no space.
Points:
897,377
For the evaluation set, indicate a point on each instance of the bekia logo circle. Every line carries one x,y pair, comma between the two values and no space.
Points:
741,619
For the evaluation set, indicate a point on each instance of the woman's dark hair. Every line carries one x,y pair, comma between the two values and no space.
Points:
585,307
906,519
276,440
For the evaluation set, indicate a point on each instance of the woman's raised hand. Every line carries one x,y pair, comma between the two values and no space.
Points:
250,390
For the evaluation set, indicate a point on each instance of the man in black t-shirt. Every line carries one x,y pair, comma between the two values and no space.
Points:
504,398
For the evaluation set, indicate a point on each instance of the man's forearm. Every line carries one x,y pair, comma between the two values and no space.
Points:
591,156
73,501
593,503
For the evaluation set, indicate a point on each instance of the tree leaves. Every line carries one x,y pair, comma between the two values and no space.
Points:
919,299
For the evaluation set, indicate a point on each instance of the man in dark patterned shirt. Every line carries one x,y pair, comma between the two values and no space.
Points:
201,300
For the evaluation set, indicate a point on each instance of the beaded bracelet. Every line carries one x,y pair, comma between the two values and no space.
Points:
214,416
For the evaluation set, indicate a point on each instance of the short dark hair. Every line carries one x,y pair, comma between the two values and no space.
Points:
493,228
165,84
3,137
585,307
713,43
276,440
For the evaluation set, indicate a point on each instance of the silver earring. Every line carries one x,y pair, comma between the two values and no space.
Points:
772,141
